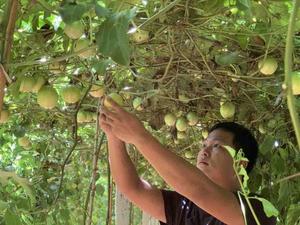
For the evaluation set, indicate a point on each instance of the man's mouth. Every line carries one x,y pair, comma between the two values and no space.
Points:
203,163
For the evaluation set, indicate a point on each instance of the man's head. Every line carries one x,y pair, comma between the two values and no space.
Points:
215,161
242,139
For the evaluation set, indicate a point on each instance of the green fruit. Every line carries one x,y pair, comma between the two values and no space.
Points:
4,116
181,124
170,119
71,94
74,30
267,66
97,91
192,118
227,110
39,82
24,142
296,83
27,84
116,98
84,44
55,68
188,155
47,97
183,98
181,135
81,116
137,103
140,36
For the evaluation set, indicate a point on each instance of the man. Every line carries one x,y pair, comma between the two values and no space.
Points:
203,194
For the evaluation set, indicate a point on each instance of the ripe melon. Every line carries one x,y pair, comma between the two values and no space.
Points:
74,30
97,91
27,84
140,36
71,94
267,66
47,97
116,97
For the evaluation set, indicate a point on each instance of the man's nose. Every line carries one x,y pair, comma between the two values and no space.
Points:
205,152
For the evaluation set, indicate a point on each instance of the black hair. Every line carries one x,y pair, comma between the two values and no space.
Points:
242,139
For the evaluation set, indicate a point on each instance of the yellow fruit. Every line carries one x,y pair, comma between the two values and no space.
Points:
296,83
47,97
39,82
4,116
71,94
74,30
97,91
267,66
27,84
262,128
170,119
181,135
81,116
137,103
204,134
181,124
115,97
83,44
140,36
227,110
192,118
24,142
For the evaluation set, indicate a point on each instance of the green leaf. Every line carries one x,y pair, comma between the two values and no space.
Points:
230,150
269,208
267,144
100,67
11,218
112,38
72,12
293,214
227,58
101,11
243,4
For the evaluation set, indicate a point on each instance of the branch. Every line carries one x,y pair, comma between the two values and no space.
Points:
288,61
288,178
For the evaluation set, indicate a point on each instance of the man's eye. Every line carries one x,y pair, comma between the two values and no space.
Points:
216,145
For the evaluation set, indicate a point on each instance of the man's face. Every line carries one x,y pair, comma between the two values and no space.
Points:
214,160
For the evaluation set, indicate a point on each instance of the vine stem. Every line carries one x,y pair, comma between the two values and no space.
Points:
246,197
288,69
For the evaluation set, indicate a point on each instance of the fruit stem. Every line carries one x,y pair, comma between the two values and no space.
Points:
288,69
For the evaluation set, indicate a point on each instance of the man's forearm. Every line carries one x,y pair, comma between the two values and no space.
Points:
122,168
173,169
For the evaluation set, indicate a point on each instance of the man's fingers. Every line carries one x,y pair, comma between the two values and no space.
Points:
114,105
109,114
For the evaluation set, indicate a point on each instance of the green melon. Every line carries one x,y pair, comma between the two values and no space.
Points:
47,97
267,66
227,110
71,94
115,97
97,91
181,124
192,118
170,119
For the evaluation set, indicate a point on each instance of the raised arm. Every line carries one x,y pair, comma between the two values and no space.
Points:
185,178
124,173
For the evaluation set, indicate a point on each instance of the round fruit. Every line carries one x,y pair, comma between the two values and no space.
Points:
4,116
97,91
192,118
55,68
181,135
137,103
267,66
296,83
39,82
188,155
170,119
116,98
141,36
262,129
27,84
204,134
74,30
24,142
227,110
181,124
81,116
47,97
71,94
183,98
88,117
81,45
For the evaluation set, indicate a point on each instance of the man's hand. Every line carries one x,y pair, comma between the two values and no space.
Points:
120,123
